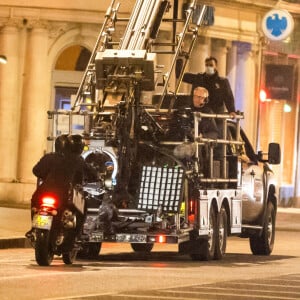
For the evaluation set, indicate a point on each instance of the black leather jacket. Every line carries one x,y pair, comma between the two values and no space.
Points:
58,172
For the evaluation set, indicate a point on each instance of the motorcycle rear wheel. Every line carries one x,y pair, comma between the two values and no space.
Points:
43,249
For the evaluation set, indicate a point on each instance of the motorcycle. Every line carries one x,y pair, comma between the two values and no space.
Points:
56,228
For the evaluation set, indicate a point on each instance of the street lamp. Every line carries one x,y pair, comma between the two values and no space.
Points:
3,59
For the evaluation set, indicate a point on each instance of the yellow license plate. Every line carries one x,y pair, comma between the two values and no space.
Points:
42,222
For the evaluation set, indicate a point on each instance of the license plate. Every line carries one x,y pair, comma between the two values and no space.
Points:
97,236
42,222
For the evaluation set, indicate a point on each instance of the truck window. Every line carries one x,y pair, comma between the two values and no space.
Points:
245,150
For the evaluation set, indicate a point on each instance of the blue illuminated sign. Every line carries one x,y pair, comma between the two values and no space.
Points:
277,24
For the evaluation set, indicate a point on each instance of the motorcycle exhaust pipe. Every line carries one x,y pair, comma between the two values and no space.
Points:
69,224
69,220
59,240
67,213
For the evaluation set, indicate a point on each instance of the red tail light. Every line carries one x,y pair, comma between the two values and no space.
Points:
191,207
49,201
191,211
162,239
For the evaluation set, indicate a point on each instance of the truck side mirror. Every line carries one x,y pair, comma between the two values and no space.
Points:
274,154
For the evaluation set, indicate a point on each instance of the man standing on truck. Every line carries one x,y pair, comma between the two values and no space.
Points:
220,93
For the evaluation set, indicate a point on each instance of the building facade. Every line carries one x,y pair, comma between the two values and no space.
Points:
46,46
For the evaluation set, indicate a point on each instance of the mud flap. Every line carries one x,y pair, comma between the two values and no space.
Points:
192,247
78,200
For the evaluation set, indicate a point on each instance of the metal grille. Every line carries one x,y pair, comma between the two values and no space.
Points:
160,188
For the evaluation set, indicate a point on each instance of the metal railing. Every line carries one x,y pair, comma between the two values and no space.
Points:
224,139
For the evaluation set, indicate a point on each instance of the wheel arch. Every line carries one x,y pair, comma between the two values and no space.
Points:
271,196
214,205
226,206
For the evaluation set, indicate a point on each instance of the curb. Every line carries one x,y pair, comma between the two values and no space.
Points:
15,242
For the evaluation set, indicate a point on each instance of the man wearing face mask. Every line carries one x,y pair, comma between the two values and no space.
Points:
220,94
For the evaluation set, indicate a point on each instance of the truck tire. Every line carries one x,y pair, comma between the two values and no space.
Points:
143,248
263,244
89,251
208,246
69,257
221,240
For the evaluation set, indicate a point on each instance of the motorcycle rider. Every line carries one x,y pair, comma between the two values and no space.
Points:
58,171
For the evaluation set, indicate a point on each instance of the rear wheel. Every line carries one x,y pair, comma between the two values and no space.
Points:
139,247
43,249
263,244
221,239
207,247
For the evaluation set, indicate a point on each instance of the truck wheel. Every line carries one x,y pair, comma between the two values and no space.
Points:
145,248
263,245
89,251
208,246
222,234
69,257
43,250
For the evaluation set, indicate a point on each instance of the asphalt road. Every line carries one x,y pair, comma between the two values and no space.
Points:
118,273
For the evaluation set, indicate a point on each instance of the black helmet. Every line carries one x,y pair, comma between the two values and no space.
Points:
76,144
61,143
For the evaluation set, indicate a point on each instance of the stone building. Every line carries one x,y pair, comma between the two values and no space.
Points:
48,44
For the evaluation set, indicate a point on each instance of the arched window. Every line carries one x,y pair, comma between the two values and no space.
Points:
68,73
74,58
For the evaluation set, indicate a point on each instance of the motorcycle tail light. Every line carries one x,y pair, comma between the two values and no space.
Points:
49,201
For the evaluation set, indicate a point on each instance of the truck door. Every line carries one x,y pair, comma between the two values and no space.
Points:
252,183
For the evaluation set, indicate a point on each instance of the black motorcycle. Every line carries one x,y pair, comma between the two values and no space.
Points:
56,227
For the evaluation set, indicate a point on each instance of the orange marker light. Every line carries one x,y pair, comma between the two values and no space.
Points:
161,239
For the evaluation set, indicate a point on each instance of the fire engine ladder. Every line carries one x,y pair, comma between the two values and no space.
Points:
225,140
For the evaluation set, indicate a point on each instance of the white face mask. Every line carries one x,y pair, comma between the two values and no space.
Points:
210,70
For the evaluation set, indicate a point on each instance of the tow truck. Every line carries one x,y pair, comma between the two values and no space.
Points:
154,187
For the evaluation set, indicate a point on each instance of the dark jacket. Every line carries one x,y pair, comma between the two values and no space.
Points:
58,173
207,126
219,90
182,124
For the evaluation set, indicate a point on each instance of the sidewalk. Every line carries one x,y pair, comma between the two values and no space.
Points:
14,222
